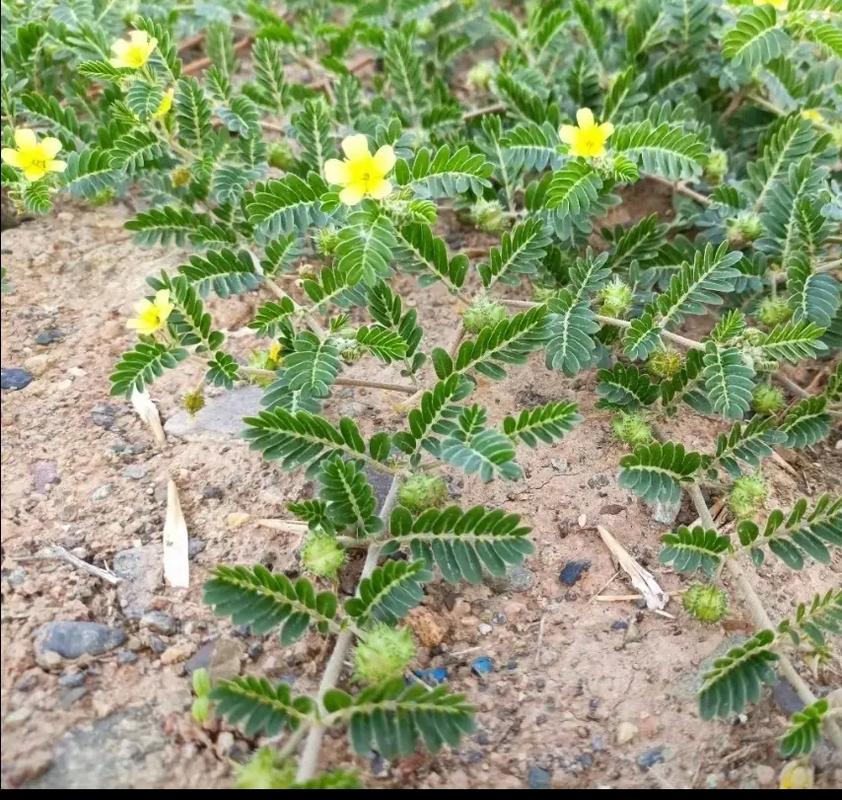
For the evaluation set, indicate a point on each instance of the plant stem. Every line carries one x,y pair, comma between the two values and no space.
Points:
495,108
681,188
310,755
340,381
760,617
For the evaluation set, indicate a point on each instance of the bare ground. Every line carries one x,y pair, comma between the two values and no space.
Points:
570,674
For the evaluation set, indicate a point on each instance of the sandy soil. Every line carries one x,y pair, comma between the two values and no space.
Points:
583,693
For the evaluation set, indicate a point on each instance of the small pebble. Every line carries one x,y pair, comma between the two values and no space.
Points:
158,645
499,618
211,492
619,625
14,378
126,657
539,778
649,758
101,492
135,472
485,629
72,680
482,665
572,571
255,650
159,622
49,336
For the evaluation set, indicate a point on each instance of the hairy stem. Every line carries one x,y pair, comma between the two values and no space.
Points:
760,617
258,372
312,747
681,188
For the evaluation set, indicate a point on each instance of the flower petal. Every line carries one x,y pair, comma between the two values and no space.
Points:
336,172
355,146
162,298
584,116
567,133
351,195
384,159
11,157
50,146
606,129
34,173
120,47
56,165
24,137
380,190
139,37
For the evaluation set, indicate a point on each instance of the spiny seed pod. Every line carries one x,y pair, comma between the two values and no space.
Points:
322,555
281,155
193,402
707,604
306,270
632,429
479,76
767,399
420,492
350,350
326,241
483,313
773,311
616,298
487,215
665,363
716,166
384,653
744,229
180,176
748,494
265,770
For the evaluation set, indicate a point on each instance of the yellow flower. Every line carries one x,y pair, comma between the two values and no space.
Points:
779,4
134,52
165,105
35,159
588,140
813,115
796,775
151,315
275,352
362,174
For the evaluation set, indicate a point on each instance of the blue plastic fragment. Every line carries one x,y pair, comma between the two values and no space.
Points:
433,675
482,665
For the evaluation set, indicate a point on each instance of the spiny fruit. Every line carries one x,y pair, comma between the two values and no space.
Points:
665,363
193,402
322,555
384,653
707,604
773,311
748,494
632,429
616,298
420,492
483,313
488,215
767,399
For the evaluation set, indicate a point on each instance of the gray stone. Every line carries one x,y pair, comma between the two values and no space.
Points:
49,336
69,696
44,475
211,492
516,579
655,755
126,657
75,639
195,546
104,415
665,513
116,752
14,378
72,680
539,778
381,484
201,659
220,419
135,472
786,697
572,571
159,622
142,572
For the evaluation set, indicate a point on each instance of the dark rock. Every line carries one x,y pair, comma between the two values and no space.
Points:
201,659
498,618
159,622
104,416
44,474
255,650
71,680
619,625
27,683
126,657
211,492
69,696
142,572
49,336
612,509
572,571
473,757
75,639
598,481
539,778
786,697
14,378
381,484
380,767
649,758
157,644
